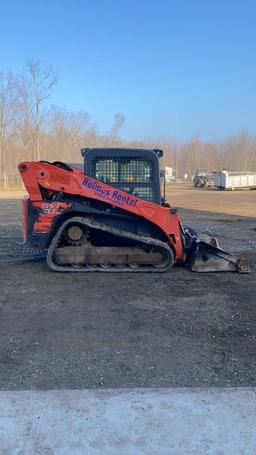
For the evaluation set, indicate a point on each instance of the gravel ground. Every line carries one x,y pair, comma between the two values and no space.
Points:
129,330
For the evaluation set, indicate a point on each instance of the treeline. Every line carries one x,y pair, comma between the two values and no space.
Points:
31,129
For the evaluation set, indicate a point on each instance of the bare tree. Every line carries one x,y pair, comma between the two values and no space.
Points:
119,121
8,109
41,82
25,118
66,132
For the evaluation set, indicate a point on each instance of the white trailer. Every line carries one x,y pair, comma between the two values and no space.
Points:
226,180
169,174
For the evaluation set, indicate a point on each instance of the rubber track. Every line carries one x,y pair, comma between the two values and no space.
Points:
103,227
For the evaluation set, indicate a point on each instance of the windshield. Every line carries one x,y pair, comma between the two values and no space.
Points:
123,170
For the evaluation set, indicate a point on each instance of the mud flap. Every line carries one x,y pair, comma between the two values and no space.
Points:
206,257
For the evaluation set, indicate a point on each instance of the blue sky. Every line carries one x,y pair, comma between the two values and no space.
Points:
173,68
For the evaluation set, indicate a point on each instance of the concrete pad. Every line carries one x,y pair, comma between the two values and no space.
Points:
130,422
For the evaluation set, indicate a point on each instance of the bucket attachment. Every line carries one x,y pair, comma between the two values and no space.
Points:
204,255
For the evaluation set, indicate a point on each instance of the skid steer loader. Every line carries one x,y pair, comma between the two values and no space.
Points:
111,217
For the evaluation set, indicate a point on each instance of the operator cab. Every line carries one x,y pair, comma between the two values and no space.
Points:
135,171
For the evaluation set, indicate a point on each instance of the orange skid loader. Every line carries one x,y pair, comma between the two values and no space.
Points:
110,216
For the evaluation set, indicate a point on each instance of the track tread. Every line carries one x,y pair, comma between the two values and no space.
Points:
101,226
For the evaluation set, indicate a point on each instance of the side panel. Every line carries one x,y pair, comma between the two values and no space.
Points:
40,221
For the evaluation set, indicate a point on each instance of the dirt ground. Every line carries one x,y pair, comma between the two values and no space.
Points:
131,330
